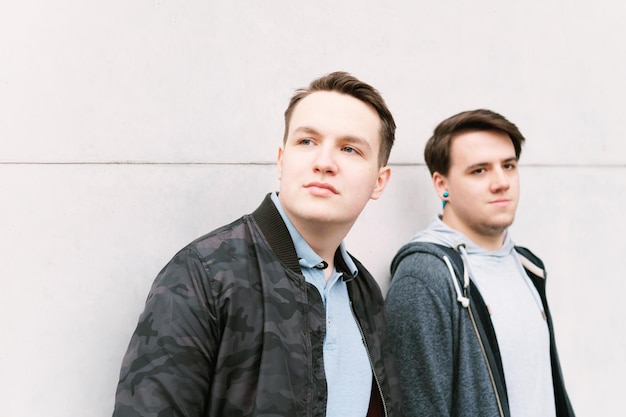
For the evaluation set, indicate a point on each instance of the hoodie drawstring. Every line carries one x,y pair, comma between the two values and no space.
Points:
463,300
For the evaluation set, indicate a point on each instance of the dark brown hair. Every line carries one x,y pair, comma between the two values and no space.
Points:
344,83
437,150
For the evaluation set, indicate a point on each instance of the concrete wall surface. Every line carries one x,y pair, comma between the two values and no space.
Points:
127,129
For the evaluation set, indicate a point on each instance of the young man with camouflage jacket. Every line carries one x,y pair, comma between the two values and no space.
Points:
270,315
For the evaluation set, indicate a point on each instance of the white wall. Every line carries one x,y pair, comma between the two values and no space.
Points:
128,128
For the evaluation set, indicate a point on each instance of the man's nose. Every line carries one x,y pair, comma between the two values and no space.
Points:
500,180
325,160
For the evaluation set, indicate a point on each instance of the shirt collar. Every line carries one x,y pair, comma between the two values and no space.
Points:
307,256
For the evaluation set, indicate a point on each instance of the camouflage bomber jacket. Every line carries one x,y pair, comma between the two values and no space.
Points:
231,328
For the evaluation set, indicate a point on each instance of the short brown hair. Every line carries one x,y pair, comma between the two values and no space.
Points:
344,83
437,150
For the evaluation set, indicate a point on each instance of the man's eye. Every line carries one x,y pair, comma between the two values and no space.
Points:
349,149
306,141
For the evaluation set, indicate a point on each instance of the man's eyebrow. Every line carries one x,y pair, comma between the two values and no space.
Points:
476,165
357,140
306,129
484,164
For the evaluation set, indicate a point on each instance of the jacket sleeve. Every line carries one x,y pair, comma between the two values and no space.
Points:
420,326
168,366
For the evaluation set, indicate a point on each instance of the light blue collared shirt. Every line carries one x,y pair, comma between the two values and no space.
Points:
346,362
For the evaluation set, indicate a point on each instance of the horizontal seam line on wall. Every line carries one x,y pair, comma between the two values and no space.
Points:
131,163
540,165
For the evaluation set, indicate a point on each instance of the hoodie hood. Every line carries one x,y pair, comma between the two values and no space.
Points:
440,233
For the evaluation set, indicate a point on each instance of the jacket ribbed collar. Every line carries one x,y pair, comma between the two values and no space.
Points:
277,235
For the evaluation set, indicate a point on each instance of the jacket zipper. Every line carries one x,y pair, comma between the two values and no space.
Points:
369,357
482,349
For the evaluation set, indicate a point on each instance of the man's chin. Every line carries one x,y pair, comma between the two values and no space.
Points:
497,226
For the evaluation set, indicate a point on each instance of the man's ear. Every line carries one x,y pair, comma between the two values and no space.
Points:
279,162
441,183
384,174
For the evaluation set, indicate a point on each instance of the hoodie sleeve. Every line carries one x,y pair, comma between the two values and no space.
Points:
167,367
419,307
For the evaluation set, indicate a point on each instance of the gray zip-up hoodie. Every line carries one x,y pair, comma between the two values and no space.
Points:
442,336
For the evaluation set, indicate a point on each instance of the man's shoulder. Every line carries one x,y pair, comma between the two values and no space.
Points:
524,251
424,262
421,252
228,244
227,247
420,272
531,262
238,230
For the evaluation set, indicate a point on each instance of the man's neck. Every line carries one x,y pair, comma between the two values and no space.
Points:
323,239
489,242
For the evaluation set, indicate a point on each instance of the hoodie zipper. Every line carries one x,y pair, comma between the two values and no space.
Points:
482,349
369,357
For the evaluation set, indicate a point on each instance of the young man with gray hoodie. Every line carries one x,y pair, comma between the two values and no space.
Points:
467,313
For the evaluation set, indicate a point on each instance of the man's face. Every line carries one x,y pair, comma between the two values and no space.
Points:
328,168
483,184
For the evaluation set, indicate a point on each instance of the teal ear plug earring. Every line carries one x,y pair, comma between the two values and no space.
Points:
443,202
